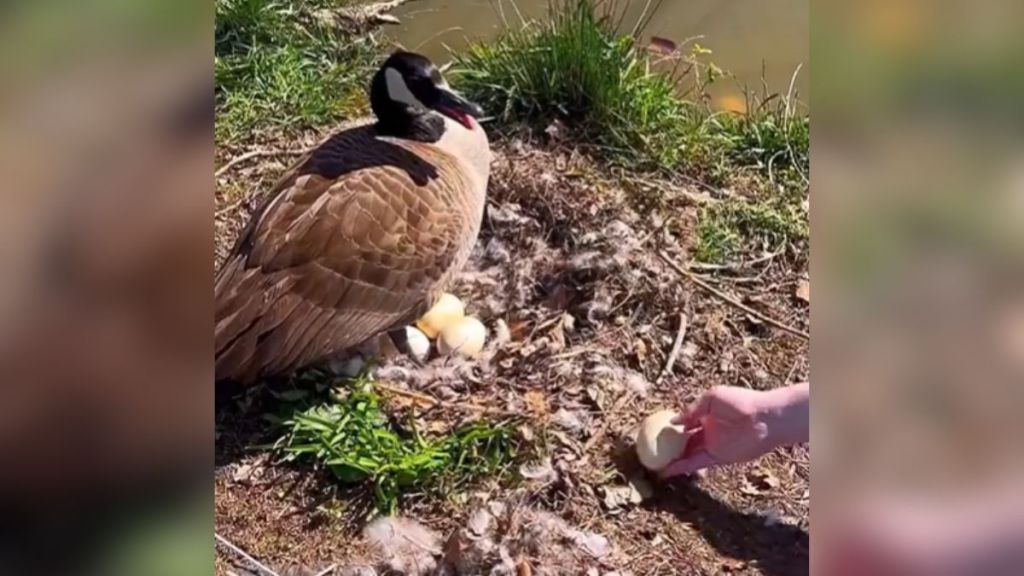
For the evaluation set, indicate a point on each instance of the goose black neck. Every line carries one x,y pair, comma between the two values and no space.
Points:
402,120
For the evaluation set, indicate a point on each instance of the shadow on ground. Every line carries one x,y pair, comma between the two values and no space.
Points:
777,549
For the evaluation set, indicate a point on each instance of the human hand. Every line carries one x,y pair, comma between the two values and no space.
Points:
733,425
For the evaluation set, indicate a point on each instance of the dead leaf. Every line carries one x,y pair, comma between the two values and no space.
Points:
618,497
803,290
523,568
661,45
518,329
243,473
539,471
640,349
765,478
758,482
733,565
570,421
594,544
536,403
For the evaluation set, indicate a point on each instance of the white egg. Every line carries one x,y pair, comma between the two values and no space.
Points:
659,441
418,343
446,310
465,337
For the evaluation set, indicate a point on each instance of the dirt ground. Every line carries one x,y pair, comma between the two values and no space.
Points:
569,276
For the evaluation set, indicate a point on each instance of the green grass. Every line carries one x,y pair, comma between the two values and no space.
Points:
280,69
771,139
351,437
577,67
574,67
728,228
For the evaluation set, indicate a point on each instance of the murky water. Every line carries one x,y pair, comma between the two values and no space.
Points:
741,34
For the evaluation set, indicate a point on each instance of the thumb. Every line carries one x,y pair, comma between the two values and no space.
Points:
692,417
689,465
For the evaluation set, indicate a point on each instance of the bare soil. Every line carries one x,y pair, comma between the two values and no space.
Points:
583,314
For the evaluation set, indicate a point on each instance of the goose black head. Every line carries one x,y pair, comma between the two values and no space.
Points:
406,89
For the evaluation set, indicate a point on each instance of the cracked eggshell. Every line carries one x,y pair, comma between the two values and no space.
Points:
659,442
445,311
419,344
465,337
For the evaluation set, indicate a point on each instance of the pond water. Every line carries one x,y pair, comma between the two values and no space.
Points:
742,34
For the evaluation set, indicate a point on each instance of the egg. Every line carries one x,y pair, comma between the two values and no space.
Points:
445,311
465,337
418,343
659,442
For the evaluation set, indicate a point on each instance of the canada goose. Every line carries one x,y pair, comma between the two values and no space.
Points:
361,235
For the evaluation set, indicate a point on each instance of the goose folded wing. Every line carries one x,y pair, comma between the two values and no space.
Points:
329,264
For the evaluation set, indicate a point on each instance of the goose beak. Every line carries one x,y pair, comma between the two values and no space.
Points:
454,106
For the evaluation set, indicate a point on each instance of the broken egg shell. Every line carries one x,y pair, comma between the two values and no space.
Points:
418,343
465,337
659,442
445,311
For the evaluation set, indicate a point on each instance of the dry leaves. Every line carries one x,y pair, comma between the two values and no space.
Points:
803,291
536,403
759,481
634,492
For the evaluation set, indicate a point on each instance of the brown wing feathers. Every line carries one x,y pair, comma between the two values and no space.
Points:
354,242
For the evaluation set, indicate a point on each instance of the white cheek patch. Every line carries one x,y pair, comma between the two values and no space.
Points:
398,90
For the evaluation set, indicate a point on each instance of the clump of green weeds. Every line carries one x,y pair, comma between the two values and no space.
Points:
352,437
772,137
576,67
726,228
279,66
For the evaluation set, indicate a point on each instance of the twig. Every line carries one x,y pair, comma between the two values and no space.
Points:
729,299
255,154
327,570
674,352
424,398
736,265
242,553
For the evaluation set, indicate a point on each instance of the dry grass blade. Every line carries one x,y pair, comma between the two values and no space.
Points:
259,566
674,352
729,299
327,570
431,401
255,154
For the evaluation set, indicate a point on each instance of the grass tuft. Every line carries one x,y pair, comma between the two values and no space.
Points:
575,67
727,228
352,437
